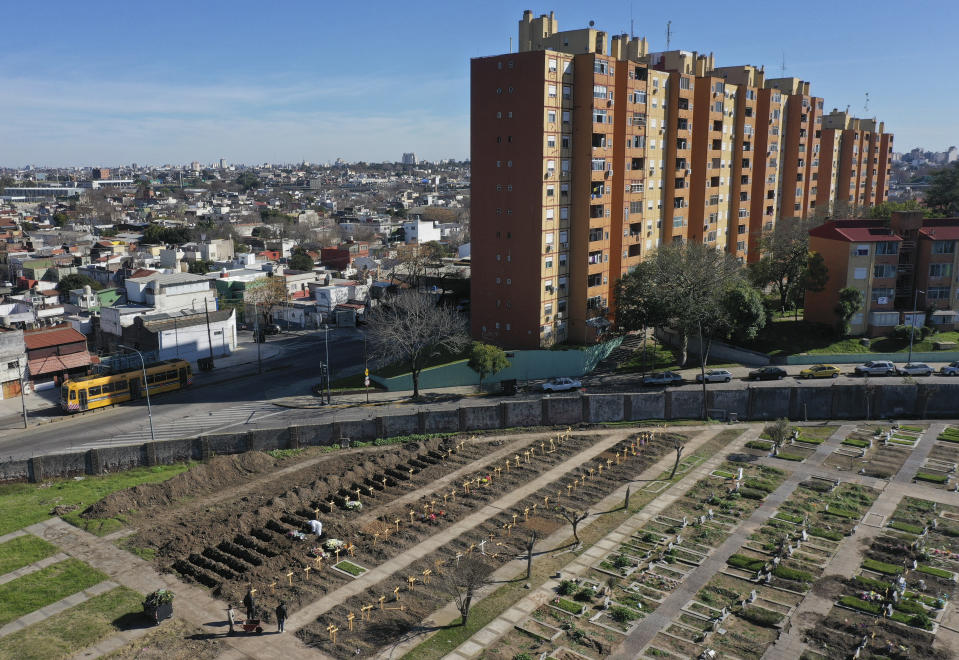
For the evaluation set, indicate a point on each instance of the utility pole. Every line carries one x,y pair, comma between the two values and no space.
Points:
366,369
209,334
912,323
23,401
146,387
326,336
256,338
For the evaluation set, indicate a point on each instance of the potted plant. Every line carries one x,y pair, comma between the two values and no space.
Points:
159,605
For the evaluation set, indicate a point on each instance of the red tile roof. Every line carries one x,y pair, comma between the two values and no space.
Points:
56,337
854,232
57,363
941,233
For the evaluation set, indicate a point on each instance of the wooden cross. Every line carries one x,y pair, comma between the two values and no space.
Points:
491,537
445,495
316,512
515,516
609,463
436,564
397,523
357,491
532,450
507,465
384,483
412,513
426,509
546,501
575,483
590,470
449,453
412,580
411,474
337,553
332,630
432,505
396,593
509,529
273,587
526,455
535,504
569,489
552,445
542,447
569,429
252,590
526,513
498,471
516,460
466,487
470,549
289,576
350,617
382,598
599,468
307,570
459,556
386,532
351,549
318,562
331,503
376,537
370,490
617,458
365,613
426,575
453,494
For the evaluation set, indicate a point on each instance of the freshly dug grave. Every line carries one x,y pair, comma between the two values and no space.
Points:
218,472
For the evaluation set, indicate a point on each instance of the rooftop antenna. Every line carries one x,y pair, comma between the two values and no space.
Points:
631,34
782,65
866,106
510,43
669,33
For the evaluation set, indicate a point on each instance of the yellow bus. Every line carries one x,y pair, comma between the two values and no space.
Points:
97,391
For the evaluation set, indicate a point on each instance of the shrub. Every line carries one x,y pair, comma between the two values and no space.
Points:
522,656
944,437
760,484
948,531
752,493
788,517
871,584
881,567
790,457
567,588
584,595
569,606
811,440
622,614
787,573
933,478
766,446
622,561
906,527
861,605
921,620
744,562
856,442
761,617
909,607
842,513
938,572
902,332
825,533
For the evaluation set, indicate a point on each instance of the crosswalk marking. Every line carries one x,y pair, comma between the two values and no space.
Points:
192,426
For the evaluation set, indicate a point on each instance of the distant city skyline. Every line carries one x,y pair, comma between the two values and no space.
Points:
115,84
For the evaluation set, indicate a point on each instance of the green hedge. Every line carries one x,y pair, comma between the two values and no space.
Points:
861,605
947,438
811,440
856,442
788,517
909,607
761,617
871,584
790,457
933,478
938,572
765,446
752,493
744,562
906,527
792,574
842,513
882,567
569,606
825,533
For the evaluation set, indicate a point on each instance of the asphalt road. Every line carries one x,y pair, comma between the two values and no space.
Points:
196,410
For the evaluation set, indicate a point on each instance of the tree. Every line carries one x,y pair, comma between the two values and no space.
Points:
200,267
300,260
814,278
155,233
778,432
247,181
942,196
745,312
77,281
678,447
574,517
410,328
530,542
850,302
60,218
463,580
886,209
784,255
266,293
486,360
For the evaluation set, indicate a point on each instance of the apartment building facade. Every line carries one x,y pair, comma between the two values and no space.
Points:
905,269
589,152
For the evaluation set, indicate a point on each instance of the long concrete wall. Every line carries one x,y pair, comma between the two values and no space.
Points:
752,403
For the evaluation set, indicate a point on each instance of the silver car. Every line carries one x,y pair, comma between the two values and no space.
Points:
876,368
715,376
915,369
951,369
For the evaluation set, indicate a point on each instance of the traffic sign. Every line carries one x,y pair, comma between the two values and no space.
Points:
366,372
366,382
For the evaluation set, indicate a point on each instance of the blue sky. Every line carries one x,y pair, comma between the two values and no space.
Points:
109,83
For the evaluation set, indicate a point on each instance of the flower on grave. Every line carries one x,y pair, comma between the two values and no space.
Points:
333,544
354,505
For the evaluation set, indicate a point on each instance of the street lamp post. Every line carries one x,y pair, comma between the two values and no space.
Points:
912,324
23,401
326,336
256,338
146,387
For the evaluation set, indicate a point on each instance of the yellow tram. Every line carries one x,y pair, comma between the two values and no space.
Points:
97,391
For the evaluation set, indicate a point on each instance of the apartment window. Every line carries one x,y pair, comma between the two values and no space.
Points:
886,293
552,66
551,91
551,141
550,213
884,270
599,116
940,270
565,116
743,213
550,191
943,247
599,91
937,293
679,221
600,66
551,116
887,247
639,96
564,142
684,83
862,251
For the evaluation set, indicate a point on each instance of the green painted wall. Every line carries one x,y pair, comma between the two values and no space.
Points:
524,365
859,358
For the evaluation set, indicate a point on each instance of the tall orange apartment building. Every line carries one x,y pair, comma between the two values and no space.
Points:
588,152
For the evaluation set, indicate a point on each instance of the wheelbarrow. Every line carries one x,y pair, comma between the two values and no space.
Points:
249,626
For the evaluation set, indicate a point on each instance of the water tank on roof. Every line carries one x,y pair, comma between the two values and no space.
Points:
87,290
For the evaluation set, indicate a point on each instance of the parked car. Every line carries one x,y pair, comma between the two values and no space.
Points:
767,373
951,369
915,369
820,371
715,376
876,368
663,378
561,385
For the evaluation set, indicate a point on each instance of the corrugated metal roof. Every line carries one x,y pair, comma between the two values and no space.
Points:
56,337
57,363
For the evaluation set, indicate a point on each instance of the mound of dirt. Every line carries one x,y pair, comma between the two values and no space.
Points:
829,586
217,473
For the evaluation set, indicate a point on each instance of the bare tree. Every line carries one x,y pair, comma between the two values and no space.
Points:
463,581
530,542
574,518
679,446
411,328
267,293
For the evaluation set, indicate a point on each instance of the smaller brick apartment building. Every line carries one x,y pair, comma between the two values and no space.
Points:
909,260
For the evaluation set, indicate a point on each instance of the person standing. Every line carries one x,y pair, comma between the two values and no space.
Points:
250,604
280,616
231,615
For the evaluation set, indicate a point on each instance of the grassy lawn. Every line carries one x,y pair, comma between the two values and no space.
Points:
787,337
23,551
442,357
660,357
484,611
23,504
74,629
48,585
